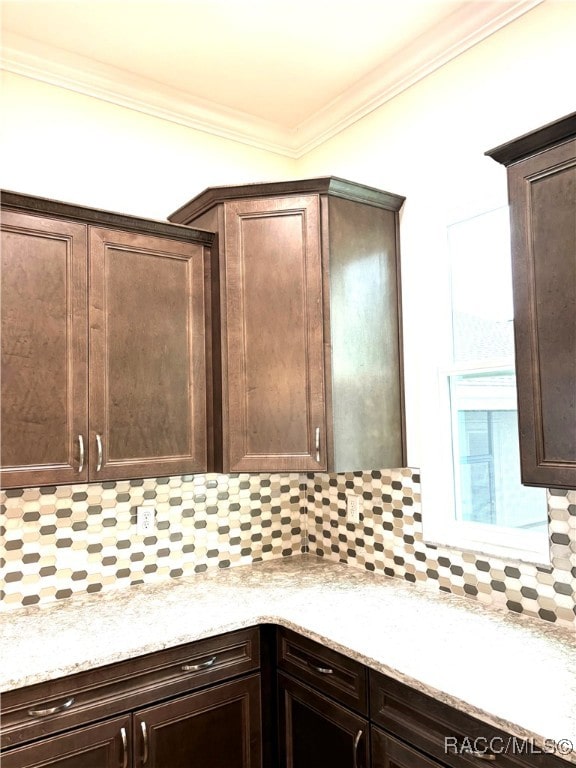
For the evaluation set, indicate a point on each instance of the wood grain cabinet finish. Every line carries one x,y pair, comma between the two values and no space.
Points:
105,321
307,358
103,745
542,193
196,704
215,728
388,752
317,731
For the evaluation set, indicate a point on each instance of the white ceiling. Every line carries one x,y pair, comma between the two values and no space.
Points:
284,76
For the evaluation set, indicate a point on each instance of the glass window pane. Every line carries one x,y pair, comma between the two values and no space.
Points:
481,284
486,454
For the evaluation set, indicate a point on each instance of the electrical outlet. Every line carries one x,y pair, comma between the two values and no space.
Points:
145,520
353,507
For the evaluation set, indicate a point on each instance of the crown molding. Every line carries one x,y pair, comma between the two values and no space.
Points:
460,31
464,28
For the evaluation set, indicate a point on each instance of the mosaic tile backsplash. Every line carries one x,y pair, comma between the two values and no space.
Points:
64,540
67,540
389,540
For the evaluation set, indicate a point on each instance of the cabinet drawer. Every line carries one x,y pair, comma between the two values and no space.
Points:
329,671
446,734
40,710
387,752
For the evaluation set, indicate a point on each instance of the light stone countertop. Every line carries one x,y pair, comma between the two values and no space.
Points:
513,672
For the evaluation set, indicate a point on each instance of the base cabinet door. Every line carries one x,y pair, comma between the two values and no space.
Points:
388,752
315,731
215,728
104,745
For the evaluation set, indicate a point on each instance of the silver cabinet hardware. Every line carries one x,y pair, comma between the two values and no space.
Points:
322,670
81,452
144,742
45,712
356,743
124,747
99,448
483,755
318,444
197,667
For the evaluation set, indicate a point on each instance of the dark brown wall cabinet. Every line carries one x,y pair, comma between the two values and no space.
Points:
307,371
104,325
542,192
214,725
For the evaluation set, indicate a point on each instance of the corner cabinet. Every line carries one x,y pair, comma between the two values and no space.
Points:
307,349
542,193
105,324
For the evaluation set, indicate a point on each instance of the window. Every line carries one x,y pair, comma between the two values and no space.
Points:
490,509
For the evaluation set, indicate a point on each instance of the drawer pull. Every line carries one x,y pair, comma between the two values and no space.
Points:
52,710
484,755
124,747
144,742
197,667
321,670
355,754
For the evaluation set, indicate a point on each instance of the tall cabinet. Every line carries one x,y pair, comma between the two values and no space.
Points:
541,169
307,351
105,329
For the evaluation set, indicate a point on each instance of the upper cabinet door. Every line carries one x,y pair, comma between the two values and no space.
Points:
147,356
272,336
44,407
543,210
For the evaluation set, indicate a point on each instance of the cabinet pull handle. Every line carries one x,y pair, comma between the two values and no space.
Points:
52,710
355,753
197,667
483,755
322,670
99,449
144,742
318,444
124,747
81,452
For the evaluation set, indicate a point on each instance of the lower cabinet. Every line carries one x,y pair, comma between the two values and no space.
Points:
316,732
104,745
388,752
217,728
196,704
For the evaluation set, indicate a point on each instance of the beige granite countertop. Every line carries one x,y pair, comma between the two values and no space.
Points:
508,670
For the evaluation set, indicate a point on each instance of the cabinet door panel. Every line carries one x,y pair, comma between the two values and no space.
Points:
44,350
315,731
543,213
216,728
273,345
105,745
147,356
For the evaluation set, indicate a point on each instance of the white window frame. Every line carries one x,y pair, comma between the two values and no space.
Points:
440,482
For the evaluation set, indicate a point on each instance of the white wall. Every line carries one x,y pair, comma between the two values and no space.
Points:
60,144
428,144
